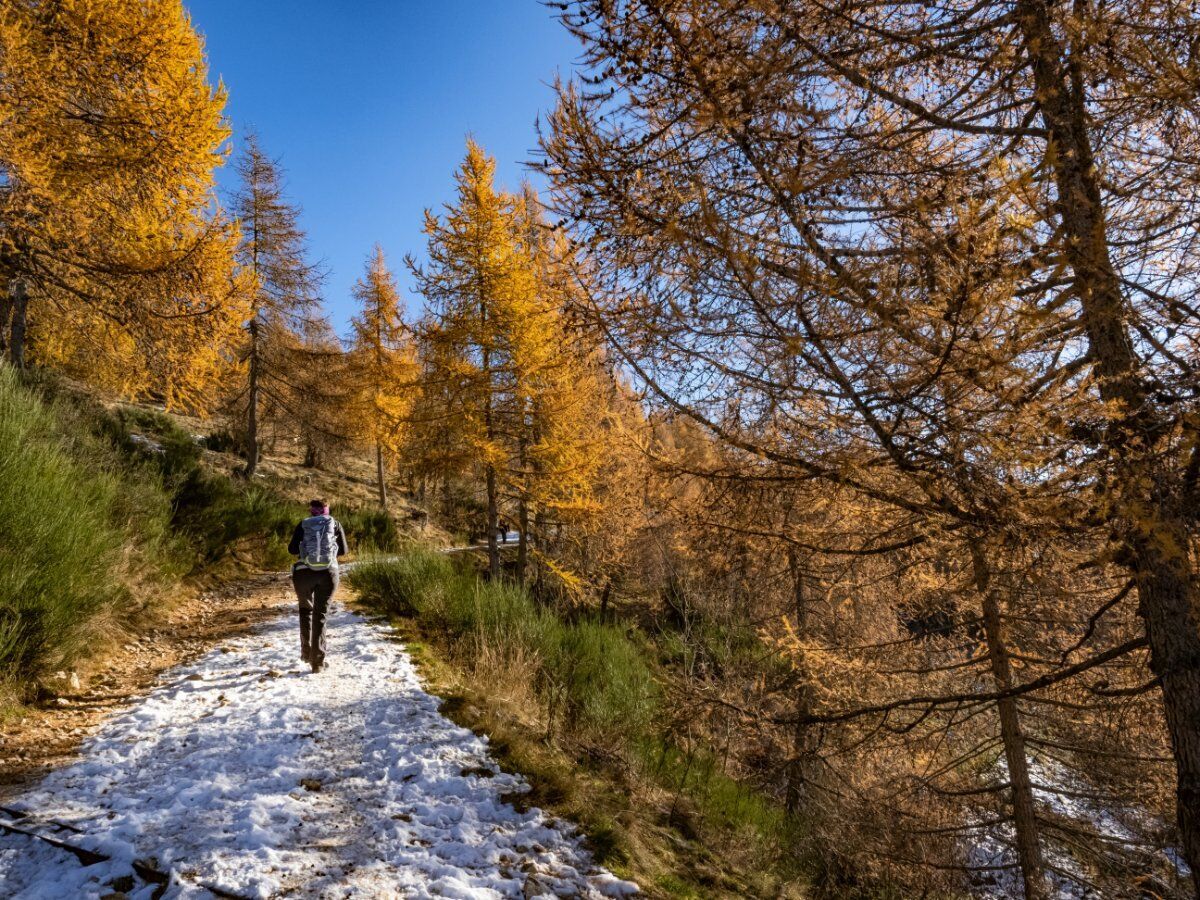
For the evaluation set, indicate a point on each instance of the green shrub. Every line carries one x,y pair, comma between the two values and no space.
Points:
215,512
400,584
497,616
223,441
172,449
368,529
720,800
68,519
603,677
471,613
591,671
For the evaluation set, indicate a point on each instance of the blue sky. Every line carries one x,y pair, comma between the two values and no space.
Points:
368,104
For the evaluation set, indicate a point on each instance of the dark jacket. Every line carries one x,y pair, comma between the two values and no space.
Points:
298,537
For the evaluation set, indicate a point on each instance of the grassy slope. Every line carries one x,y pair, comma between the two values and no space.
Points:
572,706
107,513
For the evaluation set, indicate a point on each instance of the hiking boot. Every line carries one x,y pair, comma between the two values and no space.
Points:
319,667
305,656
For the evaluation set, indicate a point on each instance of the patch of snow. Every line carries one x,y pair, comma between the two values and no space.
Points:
246,772
145,443
1064,794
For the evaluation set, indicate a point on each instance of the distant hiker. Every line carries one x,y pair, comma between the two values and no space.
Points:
503,526
318,541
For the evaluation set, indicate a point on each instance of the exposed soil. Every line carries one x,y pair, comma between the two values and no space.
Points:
48,734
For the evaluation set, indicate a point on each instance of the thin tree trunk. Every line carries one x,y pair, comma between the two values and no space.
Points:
799,769
605,596
493,514
522,538
493,511
540,530
252,406
20,315
1157,536
538,535
1025,823
1168,606
6,308
523,513
380,475
379,468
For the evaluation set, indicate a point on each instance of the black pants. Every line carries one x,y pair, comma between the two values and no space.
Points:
314,590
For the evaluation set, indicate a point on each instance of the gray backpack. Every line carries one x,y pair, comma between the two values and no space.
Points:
319,548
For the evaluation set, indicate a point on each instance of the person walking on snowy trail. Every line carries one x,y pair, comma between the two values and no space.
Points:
318,541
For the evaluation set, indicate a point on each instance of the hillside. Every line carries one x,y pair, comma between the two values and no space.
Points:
787,453
206,589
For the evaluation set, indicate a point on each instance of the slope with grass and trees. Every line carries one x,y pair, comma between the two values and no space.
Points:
839,387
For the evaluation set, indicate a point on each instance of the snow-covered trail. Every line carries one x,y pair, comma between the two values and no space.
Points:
246,773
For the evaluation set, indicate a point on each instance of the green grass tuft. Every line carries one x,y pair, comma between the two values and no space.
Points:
401,585
604,678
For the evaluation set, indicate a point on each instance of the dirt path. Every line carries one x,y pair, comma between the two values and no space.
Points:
242,774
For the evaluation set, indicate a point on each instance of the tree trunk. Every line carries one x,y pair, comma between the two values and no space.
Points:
605,596
20,318
379,468
252,406
1157,535
493,512
380,475
1168,606
1025,823
800,768
540,530
522,539
493,516
523,513
6,308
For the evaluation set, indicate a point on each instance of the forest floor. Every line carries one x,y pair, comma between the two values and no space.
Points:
242,774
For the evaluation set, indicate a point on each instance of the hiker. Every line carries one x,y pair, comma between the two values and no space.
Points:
318,541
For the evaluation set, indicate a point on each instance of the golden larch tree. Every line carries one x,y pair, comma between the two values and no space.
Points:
283,289
474,284
383,367
109,232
